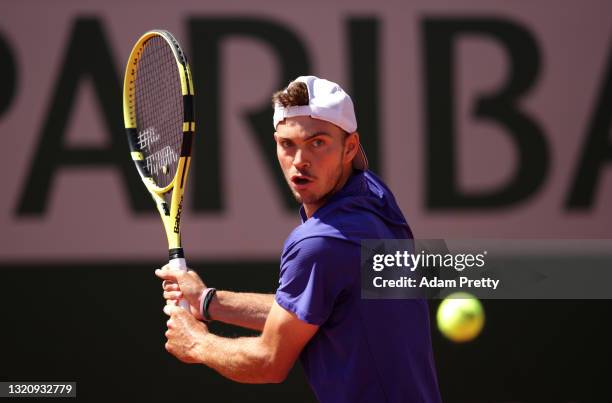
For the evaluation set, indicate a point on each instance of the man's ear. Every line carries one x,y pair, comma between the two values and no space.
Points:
351,145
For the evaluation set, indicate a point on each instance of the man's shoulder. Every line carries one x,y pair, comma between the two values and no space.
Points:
317,239
337,227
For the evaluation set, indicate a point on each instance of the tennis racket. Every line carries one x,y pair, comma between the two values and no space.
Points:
158,115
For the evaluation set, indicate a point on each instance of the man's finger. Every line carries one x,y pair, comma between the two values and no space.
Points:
173,295
170,308
167,273
170,286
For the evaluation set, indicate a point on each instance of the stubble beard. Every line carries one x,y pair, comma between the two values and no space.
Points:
315,199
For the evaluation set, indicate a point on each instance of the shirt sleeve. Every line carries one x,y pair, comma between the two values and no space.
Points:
312,276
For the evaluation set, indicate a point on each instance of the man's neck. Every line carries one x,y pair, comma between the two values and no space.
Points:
310,209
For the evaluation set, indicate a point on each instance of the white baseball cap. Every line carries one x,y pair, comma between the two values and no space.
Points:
327,101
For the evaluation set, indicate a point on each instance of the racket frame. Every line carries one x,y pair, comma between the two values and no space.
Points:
170,214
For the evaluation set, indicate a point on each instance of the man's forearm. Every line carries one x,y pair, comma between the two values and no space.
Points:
248,310
244,359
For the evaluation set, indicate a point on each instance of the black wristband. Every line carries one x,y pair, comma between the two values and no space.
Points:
206,303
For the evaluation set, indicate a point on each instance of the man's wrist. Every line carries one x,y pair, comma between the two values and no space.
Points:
204,303
201,348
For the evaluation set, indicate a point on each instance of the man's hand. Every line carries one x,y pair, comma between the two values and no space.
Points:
184,334
179,284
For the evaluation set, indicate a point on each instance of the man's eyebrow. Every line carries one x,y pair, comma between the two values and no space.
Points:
307,137
316,134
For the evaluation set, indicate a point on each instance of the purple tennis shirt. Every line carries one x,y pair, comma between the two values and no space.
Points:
364,350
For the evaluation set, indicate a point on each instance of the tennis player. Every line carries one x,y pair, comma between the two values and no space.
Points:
352,349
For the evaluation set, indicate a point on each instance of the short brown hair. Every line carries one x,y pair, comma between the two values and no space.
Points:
296,94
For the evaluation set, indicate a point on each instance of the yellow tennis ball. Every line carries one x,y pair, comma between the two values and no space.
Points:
460,317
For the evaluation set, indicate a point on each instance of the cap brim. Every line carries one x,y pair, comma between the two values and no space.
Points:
360,161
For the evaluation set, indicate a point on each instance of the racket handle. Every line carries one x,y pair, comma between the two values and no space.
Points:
180,263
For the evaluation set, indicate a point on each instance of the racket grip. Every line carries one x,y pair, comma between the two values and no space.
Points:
180,263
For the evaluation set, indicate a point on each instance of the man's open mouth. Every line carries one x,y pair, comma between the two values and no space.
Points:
300,180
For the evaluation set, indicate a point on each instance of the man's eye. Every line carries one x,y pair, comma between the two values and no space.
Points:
317,143
285,144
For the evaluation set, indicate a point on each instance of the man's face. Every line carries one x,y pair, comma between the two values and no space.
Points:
311,154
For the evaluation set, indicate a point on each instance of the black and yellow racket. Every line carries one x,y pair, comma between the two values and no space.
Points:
158,113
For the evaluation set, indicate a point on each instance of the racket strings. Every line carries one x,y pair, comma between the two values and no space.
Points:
159,111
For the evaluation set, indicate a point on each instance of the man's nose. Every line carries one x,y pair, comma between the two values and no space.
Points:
301,160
